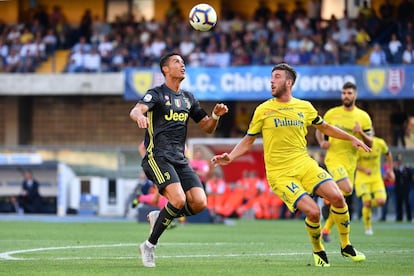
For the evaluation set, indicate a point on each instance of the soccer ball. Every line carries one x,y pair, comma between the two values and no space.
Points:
203,17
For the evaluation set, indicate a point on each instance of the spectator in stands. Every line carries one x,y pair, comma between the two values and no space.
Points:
362,38
304,56
365,10
105,49
158,45
262,11
318,57
51,41
92,61
100,30
14,33
281,13
85,26
82,45
120,59
407,30
405,11
395,49
76,62
26,36
29,199
173,14
13,62
387,11
377,56
249,35
349,52
313,12
292,56
196,57
408,54
4,50
186,46
39,49
223,57
55,17
331,49
240,57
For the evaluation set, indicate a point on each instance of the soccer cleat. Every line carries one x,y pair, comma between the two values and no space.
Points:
321,259
147,255
369,232
350,252
326,237
152,218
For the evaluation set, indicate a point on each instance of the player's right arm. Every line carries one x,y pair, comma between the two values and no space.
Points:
241,148
137,115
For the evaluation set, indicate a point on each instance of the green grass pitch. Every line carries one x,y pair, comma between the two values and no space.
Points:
249,247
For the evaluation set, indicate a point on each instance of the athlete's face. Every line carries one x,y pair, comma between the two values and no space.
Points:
348,97
278,83
175,67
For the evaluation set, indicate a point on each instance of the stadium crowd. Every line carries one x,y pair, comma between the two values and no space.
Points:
299,37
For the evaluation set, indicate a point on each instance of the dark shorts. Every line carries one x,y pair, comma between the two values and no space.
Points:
163,173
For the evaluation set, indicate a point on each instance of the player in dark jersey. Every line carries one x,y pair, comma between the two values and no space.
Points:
164,111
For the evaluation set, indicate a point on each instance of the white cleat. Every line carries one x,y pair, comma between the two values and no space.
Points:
147,255
152,218
369,232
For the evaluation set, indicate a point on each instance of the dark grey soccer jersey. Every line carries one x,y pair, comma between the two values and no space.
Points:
168,118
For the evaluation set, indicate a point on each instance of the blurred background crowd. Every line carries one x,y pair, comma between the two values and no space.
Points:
300,37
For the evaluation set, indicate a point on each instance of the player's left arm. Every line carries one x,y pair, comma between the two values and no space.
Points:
338,133
209,123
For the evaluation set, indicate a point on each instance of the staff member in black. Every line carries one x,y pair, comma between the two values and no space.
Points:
164,111
403,179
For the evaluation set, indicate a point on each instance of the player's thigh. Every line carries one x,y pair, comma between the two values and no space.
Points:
288,188
313,177
378,191
161,172
362,188
340,172
191,184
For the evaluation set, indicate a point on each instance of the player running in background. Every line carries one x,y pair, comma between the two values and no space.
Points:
369,184
341,156
291,172
164,112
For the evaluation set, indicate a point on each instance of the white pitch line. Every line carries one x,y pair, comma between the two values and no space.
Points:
8,255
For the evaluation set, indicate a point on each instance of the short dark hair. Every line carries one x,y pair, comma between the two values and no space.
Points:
165,58
350,85
291,73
